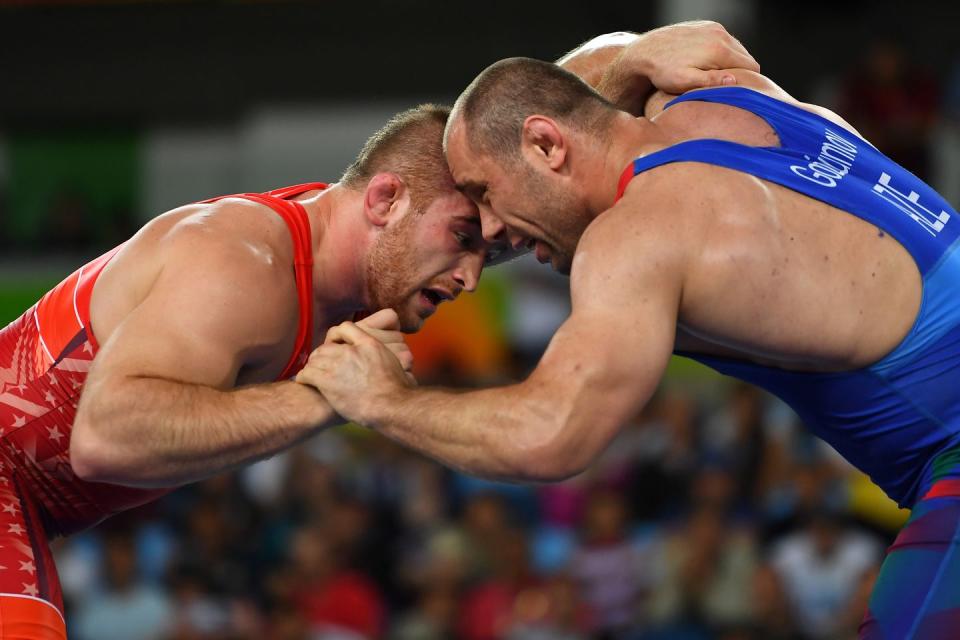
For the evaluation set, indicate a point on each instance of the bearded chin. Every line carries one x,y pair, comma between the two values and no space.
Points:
389,274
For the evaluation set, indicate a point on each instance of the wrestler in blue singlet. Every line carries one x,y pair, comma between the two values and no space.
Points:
898,420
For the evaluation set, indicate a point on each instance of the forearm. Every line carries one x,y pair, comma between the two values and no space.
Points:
609,63
502,433
150,432
625,84
591,60
674,59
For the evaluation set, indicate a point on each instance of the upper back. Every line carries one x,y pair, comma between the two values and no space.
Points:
785,276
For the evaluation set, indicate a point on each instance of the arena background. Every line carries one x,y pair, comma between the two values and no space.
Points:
713,515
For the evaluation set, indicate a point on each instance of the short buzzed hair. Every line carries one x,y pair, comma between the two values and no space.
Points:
497,102
410,144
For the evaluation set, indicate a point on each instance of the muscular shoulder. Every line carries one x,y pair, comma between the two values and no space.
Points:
233,258
232,226
650,234
237,245
671,202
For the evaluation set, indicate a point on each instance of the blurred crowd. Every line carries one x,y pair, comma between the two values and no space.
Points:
723,521
713,515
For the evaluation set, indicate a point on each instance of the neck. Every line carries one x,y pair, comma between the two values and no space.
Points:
339,246
627,140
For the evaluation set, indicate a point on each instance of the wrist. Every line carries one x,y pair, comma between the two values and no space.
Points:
389,407
315,412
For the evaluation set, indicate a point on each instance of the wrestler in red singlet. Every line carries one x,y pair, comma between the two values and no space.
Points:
44,358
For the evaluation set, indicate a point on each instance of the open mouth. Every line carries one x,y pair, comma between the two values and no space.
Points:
432,296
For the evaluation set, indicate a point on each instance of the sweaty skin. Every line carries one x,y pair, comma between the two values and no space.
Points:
202,300
628,290
198,313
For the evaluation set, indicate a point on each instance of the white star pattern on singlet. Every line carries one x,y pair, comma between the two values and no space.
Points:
30,589
29,567
19,421
54,434
10,508
15,528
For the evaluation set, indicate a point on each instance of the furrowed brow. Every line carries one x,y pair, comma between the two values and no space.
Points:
472,219
471,189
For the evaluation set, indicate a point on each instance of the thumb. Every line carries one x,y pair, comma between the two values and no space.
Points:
383,319
719,78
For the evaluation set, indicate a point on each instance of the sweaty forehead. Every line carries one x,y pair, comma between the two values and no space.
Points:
453,202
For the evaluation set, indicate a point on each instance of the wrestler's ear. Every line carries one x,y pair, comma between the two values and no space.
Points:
383,199
542,142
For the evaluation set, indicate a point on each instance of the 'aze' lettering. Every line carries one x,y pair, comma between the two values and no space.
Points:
931,222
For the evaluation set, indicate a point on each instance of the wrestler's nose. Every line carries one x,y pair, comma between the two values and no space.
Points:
467,273
491,226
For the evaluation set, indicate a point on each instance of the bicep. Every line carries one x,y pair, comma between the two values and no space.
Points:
609,356
590,60
610,361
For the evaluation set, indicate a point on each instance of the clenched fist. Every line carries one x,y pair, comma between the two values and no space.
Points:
360,366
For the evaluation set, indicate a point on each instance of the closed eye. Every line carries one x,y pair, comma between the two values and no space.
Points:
465,240
474,190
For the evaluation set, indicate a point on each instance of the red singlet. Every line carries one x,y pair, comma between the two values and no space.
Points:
44,359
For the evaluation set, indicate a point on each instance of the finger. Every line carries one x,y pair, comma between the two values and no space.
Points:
381,335
398,348
746,61
348,333
740,60
325,351
406,360
697,79
383,319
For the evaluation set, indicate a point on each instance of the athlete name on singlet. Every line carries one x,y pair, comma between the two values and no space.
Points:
836,157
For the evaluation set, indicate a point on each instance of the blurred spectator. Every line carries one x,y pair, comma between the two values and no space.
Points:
824,573
336,601
286,623
203,612
704,572
666,455
607,566
432,618
894,104
515,604
946,174
124,608
734,437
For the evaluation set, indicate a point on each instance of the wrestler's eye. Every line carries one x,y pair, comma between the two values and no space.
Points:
463,239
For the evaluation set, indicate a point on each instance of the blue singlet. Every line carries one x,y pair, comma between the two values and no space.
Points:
894,418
